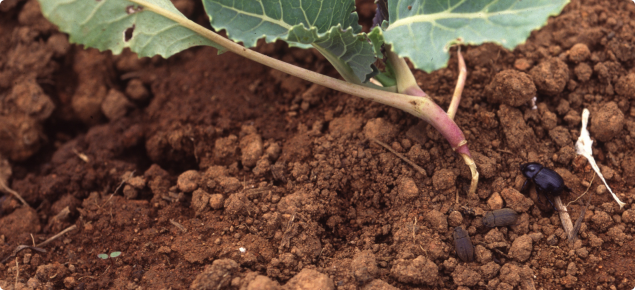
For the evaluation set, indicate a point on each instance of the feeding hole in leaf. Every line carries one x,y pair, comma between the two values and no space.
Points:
131,9
127,35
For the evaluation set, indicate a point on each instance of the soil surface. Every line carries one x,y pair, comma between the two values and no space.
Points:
211,171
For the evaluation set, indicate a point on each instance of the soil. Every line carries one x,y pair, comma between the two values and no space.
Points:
214,172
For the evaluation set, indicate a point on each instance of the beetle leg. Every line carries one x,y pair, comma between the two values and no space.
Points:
554,206
541,204
523,189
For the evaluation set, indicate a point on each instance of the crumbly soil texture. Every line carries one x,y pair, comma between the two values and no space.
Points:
211,171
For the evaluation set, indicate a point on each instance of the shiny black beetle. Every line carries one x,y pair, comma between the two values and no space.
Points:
547,181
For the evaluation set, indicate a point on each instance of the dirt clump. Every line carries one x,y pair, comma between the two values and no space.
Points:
364,267
379,285
95,76
307,279
583,72
22,221
579,53
607,122
511,87
407,189
419,271
115,105
521,248
380,129
345,125
217,275
137,91
22,112
465,276
251,147
516,200
437,220
550,76
517,134
625,86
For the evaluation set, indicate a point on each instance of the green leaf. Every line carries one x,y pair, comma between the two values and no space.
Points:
102,256
115,254
376,37
249,20
422,30
329,24
153,26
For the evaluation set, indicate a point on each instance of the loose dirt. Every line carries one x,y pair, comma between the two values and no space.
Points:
213,172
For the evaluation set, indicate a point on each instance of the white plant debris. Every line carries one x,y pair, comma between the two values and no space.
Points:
583,147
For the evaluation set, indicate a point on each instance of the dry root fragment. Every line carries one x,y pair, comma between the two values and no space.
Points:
469,161
417,167
567,225
583,147
5,173
460,83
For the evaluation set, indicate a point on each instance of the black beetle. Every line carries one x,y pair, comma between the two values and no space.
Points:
463,245
547,181
500,218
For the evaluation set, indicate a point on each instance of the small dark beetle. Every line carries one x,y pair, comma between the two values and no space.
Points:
500,218
547,181
463,245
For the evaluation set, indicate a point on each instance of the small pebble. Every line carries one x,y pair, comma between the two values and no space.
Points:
601,189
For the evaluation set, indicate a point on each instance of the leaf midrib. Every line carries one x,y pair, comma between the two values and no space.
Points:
449,15
264,16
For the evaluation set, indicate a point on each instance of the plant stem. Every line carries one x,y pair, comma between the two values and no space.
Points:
414,101
460,83
428,110
407,84
452,109
385,80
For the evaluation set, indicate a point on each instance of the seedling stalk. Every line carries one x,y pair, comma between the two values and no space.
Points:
410,98
460,83
156,27
434,115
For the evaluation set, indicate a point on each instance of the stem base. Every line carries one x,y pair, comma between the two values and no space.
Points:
469,161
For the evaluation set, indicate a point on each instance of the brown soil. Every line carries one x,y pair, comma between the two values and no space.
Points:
211,172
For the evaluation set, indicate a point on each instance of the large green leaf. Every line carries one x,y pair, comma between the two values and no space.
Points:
423,30
247,21
148,27
329,24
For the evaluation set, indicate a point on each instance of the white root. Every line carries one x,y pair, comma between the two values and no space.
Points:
583,147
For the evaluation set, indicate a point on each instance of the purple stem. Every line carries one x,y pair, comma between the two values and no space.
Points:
439,119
